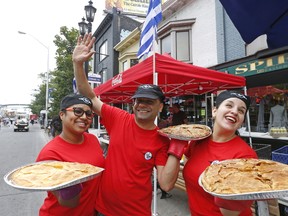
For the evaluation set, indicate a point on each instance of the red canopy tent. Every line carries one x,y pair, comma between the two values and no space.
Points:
175,78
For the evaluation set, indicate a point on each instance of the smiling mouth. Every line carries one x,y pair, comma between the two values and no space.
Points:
142,111
231,119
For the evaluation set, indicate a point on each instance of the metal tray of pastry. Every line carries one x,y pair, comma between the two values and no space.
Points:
9,181
248,196
172,136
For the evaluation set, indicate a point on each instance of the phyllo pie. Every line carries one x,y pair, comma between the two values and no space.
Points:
238,176
186,131
49,174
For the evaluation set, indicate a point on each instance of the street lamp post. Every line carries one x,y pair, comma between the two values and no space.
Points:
90,14
47,77
87,28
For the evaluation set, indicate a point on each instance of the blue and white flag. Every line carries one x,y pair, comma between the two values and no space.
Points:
149,30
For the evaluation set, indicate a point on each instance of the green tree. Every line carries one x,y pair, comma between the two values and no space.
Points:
61,78
39,95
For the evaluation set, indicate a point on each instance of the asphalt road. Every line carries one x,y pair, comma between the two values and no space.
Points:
17,149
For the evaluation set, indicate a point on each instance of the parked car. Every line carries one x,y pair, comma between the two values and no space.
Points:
21,124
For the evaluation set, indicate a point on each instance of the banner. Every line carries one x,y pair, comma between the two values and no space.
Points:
137,7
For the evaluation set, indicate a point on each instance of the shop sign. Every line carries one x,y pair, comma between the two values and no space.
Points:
259,66
94,78
136,7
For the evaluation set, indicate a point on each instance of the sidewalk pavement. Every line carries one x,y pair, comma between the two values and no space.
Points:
176,205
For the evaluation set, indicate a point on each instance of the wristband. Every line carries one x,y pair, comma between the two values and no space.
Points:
70,192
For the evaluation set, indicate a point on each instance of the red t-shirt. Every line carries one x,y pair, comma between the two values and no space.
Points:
201,155
126,187
87,152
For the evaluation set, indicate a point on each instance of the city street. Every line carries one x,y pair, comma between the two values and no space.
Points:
17,149
20,148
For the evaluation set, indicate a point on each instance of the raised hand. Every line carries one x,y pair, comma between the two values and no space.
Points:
82,51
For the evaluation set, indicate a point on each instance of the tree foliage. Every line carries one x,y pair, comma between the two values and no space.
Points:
40,96
61,78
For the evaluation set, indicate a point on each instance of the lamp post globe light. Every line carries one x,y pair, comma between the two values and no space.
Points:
83,27
87,27
47,77
90,12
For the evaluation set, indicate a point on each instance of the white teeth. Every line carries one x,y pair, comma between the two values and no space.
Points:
142,111
82,123
231,119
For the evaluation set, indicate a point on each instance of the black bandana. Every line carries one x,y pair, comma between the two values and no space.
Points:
72,99
230,94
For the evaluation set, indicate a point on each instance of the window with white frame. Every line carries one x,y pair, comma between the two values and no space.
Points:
103,51
175,39
166,45
125,65
183,46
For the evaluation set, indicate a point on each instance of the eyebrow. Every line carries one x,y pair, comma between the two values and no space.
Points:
244,107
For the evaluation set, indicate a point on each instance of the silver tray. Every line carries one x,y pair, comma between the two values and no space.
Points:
8,180
247,196
184,138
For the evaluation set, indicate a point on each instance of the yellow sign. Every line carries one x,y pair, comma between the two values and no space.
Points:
137,7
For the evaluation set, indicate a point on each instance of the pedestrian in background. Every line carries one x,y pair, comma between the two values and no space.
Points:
73,145
179,117
56,126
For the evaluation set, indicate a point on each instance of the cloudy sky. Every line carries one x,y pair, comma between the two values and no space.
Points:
22,56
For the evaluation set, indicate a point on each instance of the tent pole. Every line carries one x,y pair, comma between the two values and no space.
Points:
248,120
155,82
212,107
206,110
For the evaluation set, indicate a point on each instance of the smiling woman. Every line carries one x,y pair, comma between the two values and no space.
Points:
73,144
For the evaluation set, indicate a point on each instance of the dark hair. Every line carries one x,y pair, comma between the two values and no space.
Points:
56,125
177,105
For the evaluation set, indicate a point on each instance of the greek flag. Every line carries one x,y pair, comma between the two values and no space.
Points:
149,30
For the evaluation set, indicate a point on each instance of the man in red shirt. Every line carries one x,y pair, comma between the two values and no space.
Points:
135,146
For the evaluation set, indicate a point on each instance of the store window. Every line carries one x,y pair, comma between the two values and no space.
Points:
175,39
103,51
268,107
166,45
183,46
133,62
125,65
197,108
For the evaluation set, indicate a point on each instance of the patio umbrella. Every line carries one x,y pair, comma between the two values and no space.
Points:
253,18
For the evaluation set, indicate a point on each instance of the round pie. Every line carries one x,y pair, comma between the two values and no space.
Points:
49,174
186,131
239,176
